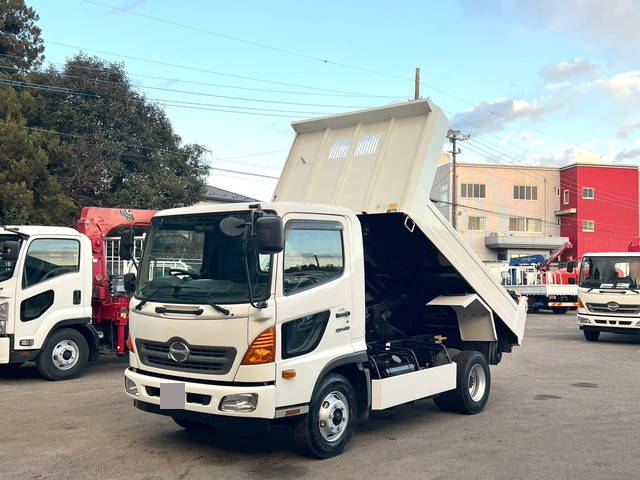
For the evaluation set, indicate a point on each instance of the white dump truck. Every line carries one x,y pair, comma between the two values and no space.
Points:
348,293
609,294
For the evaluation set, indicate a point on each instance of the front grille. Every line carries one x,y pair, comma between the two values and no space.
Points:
201,359
622,309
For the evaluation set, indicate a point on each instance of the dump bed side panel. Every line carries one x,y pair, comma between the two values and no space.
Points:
384,160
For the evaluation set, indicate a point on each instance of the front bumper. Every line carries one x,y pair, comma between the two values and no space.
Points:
4,350
148,387
608,322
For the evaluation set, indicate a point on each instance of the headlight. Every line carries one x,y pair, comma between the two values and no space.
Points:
4,317
242,402
583,319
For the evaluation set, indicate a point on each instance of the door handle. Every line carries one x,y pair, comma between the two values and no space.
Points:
77,296
343,314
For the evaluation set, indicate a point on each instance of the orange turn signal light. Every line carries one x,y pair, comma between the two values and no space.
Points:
580,304
130,346
262,349
288,373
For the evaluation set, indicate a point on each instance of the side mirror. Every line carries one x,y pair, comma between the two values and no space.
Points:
126,245
570,266
130,282
269,235
10,250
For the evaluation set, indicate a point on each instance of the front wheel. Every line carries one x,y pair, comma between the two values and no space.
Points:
473,384
64,356
591,335
325,431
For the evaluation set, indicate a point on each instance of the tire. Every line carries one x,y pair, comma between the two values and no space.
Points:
334,399
591,335
64,356
467,397
559,310
191,425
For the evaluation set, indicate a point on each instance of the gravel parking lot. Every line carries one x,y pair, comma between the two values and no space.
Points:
560,407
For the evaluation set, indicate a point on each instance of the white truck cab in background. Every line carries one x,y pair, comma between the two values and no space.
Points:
348,293
609,294
45,299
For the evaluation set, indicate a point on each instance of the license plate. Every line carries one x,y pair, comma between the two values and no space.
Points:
172,396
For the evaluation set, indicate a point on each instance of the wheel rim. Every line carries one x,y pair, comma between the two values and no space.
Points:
477,382
333,416
65,354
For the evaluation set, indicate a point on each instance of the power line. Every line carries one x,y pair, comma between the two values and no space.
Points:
259,154
271,177
202,70
191,82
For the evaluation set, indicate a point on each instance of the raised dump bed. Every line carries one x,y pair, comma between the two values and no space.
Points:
421,276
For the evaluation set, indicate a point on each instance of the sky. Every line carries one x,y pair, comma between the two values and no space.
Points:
537,83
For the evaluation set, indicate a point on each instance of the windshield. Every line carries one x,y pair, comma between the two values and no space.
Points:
6,266
187,259
610,272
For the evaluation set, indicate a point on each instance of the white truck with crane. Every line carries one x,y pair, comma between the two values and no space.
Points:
531,277
348,293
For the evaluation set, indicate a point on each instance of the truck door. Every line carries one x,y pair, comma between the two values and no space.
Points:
313,302
50,288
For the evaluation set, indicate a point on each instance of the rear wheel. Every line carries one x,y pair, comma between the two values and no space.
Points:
64,356
473,384
559,310
591,335
325,431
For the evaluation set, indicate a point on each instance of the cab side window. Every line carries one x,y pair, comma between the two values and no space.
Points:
313,254
49,258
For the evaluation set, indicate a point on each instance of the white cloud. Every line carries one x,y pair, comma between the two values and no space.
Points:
612,24
555,86
627,154
530,138
574,68
625,130
623,84
494,116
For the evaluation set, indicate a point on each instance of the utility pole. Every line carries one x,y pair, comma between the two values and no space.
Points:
417,87
455,136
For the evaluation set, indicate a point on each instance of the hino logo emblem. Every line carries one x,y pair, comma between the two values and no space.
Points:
613,306
178,352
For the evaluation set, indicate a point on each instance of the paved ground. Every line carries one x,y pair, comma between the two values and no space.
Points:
560,408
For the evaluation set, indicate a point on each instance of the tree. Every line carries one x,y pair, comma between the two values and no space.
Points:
20,42
118,148
28,191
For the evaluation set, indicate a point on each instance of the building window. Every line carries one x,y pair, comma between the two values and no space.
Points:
559,221
473,190
521,224
521,192
566,197
558,191
588,226
475,223
444,193
588,193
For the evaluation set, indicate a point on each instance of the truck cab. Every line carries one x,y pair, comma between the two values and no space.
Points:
346,294
609,294
45,299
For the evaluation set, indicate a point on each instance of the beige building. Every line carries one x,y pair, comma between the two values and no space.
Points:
502,211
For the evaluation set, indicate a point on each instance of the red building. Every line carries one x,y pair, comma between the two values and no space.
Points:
598,207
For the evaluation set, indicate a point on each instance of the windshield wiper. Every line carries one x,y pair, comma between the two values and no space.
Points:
146,298
220,309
